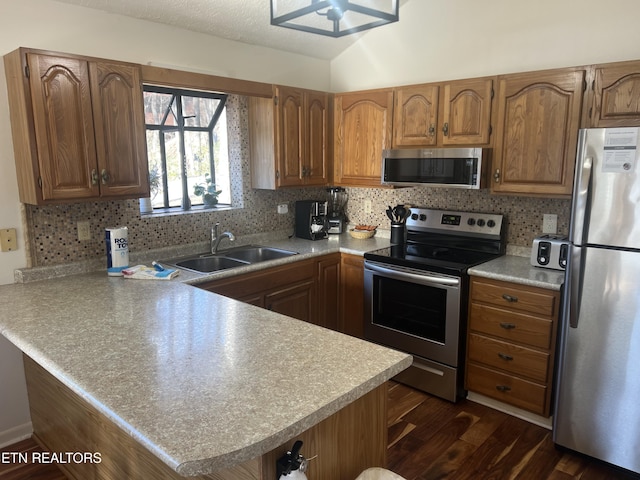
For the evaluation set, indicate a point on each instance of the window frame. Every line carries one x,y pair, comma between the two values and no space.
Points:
177,95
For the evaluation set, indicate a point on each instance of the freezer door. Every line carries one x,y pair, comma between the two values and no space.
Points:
598,384
606,201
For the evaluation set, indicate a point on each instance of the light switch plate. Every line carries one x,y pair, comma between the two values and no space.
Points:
84,231
8,240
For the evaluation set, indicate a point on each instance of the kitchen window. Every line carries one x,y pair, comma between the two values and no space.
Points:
186,146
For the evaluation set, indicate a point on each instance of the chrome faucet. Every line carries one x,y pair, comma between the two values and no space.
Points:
216,239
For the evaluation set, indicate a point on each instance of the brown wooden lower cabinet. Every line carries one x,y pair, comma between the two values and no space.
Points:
346,443
328,275
327,291
288,289
352,295
511,343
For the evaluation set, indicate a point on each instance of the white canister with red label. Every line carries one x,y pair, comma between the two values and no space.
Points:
117,250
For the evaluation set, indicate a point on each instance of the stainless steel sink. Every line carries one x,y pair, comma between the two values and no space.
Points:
231,258
209,264
256,253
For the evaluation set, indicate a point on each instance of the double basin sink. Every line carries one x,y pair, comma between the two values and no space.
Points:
231,258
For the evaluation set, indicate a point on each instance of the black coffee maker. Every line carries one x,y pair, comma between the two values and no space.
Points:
311,219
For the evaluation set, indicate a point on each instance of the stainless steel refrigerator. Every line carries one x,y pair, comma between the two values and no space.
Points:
597,408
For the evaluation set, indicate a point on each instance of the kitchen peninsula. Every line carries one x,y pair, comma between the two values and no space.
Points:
166,380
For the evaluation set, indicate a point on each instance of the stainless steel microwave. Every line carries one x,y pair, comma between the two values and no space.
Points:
436,167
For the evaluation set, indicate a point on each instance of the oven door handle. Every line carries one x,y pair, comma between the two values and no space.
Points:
418,277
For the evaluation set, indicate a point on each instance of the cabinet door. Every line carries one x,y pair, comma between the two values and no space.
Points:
289,132
315,162
329,291
415,116
297,301
352,295
121,145
538,121
466,112
616,95
63,120
362,132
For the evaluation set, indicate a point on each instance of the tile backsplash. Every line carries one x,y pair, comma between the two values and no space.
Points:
52,237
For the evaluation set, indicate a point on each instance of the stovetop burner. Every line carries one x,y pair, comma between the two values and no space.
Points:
445,241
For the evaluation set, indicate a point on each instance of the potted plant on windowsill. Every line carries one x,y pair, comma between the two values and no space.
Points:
207,191
155,177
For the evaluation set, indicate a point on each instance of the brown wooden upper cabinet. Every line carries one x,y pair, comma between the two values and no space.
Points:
616,95
537,131
289,138
78,127
454,113
362,123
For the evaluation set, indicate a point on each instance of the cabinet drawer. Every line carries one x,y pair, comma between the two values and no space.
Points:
532,300
507,356
512,326
507,388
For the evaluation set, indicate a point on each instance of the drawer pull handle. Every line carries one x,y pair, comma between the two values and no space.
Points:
507,326
503,388
504,356
509,298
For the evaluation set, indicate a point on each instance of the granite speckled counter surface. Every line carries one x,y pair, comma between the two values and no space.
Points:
202,381
305,249
516,269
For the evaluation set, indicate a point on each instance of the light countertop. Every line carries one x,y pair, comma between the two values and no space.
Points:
516,269
202,381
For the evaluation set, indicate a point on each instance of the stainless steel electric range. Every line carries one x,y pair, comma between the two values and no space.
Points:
416,293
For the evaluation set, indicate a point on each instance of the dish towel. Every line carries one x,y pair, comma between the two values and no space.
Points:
142,272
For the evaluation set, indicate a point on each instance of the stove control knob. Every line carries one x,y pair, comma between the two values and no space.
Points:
471,222
414,216
423,217
491,223
480,222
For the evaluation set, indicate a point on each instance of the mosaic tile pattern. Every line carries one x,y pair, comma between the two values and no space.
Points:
523,214
53,240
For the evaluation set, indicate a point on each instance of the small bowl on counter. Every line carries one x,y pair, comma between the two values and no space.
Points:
362,232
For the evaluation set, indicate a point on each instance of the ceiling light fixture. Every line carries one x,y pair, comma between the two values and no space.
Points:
344,17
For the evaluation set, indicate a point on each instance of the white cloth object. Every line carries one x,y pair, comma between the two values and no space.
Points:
377,473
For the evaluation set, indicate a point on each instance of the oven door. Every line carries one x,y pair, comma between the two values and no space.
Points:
414,311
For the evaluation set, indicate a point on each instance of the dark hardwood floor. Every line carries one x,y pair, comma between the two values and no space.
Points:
433,439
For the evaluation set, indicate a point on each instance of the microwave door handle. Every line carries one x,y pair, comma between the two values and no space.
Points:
420,278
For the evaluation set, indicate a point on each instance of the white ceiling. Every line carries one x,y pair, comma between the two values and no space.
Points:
246,21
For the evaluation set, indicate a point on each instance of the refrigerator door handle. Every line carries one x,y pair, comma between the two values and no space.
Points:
581,199
575,285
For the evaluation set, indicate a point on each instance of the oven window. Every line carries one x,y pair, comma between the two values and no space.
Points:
410,308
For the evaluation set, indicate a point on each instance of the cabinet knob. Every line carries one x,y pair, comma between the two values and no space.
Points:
504,356
509,298
94,177
445,129
507,326
432,129
105,176
496,176
503,388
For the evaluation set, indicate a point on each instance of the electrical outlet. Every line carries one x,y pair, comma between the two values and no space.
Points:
550,223
8,241
84,231
367,206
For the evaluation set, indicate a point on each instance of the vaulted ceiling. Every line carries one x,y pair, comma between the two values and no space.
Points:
246,21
